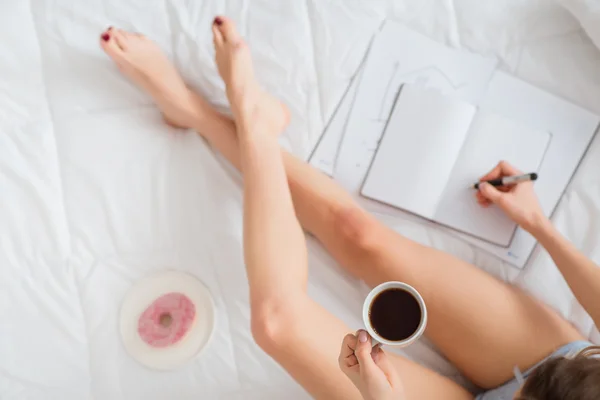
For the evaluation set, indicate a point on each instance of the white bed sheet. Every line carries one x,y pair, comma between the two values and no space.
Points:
95,192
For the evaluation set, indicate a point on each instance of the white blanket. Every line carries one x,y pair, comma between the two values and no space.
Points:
96,192
588,14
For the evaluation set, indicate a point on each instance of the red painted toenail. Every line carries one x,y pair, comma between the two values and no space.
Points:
218,21
105,37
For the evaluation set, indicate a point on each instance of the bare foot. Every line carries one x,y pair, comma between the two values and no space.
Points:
249,102
142,61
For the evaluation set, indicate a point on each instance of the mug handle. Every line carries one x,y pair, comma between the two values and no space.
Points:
375,342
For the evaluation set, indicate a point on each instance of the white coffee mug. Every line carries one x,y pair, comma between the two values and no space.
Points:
376,338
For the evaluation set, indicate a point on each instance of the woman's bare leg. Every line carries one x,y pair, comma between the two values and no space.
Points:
285,321
482,325
297,332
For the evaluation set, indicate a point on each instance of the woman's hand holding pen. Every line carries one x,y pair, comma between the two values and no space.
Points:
518,201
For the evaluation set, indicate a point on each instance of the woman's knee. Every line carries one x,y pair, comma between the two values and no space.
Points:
271,323
357,228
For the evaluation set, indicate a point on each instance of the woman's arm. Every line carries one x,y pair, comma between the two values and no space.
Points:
582,275
520,203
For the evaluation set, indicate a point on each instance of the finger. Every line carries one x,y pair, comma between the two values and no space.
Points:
501,170
385,364
350,361
495,173
490,192
504,189
508,169
363,347
348,346
481,200
363,354
376,353
480,197
485,204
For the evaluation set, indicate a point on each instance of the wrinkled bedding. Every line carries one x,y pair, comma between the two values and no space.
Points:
96,192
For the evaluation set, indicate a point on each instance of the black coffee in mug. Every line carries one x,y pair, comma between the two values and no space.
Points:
395,314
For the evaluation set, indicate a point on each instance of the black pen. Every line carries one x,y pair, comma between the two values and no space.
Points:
509,180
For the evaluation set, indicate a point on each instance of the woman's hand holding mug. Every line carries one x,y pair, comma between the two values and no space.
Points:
369,368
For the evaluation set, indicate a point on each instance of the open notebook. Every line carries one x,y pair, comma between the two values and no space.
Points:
434,148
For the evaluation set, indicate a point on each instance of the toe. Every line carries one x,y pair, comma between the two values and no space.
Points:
130,35
120,38
217,36
227,29
110,46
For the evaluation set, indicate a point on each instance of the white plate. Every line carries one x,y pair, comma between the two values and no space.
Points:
147,290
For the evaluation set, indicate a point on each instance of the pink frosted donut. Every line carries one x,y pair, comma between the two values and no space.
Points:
167,320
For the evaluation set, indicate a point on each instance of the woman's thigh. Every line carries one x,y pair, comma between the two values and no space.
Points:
309,346
481,324
484,326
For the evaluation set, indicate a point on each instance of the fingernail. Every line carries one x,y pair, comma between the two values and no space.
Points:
218,21
105,37
362,337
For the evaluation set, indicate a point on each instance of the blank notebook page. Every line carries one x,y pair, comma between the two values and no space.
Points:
491,138
419,148
434,148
